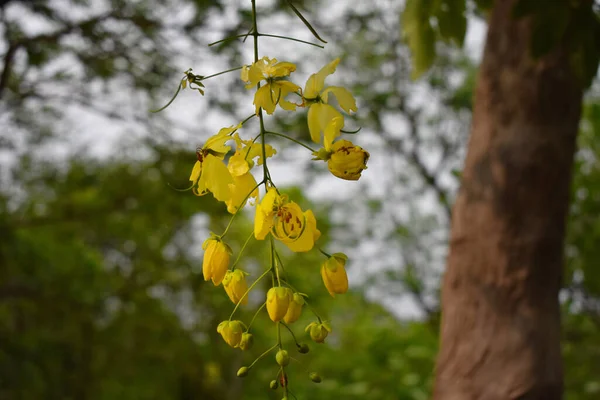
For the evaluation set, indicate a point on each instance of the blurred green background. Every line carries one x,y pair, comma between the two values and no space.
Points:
101,291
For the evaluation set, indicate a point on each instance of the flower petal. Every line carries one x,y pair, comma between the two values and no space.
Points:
216,178
343,96
315,82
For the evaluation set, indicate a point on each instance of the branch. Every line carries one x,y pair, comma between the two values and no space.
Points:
46,37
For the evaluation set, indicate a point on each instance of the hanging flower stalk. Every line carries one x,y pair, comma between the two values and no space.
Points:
277,218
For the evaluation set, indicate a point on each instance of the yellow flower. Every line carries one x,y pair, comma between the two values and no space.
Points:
247,341
210,173
231,332
286,221
316,96
334,275
236,286
278,301
318,331
294,309
347,161
275,89
216,259
244,185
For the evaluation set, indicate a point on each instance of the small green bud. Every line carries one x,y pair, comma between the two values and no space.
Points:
273,385
242,372
316,378
283,358
303,348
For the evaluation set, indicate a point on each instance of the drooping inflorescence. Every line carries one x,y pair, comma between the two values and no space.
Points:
229,174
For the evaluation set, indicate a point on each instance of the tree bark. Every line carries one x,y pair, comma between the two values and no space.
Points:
500,329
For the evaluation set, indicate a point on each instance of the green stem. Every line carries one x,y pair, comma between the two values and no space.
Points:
292,39
324,253
228,39
170,101
262,355
279,335
221,73
292,139
273,261
248,291
242,251
290,330
255,315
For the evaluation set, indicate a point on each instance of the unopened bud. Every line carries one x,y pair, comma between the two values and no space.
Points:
242,372
273,385
303,348
316,378
247,341
283,358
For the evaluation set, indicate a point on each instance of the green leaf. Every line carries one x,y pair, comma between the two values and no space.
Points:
419,34
452,21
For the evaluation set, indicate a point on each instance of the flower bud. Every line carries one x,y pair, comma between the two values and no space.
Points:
283,358
347,161
242,372
231,332
334,275
316,378
278,301
247,341
274,385
236,286
216,259
294,309
318,331
303,348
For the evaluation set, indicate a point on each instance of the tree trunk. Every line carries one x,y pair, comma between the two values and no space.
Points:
500,330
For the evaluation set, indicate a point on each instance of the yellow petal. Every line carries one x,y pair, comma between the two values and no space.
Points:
243,188
215,178
286,87
316,81
332,131
237,164
278,300
216,143
196,171
309,236
209,246
343,96
265,99
262,223
319,116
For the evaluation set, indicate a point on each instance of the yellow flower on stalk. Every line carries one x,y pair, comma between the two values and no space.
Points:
294,309
236,286
344,159
210,173
244,185
334,275
231,331
216,259
275,89
286,221
318,331
316,97
278,301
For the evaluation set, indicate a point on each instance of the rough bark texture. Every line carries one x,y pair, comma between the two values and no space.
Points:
500,326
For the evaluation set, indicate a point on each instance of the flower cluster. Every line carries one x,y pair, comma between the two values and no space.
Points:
225,167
